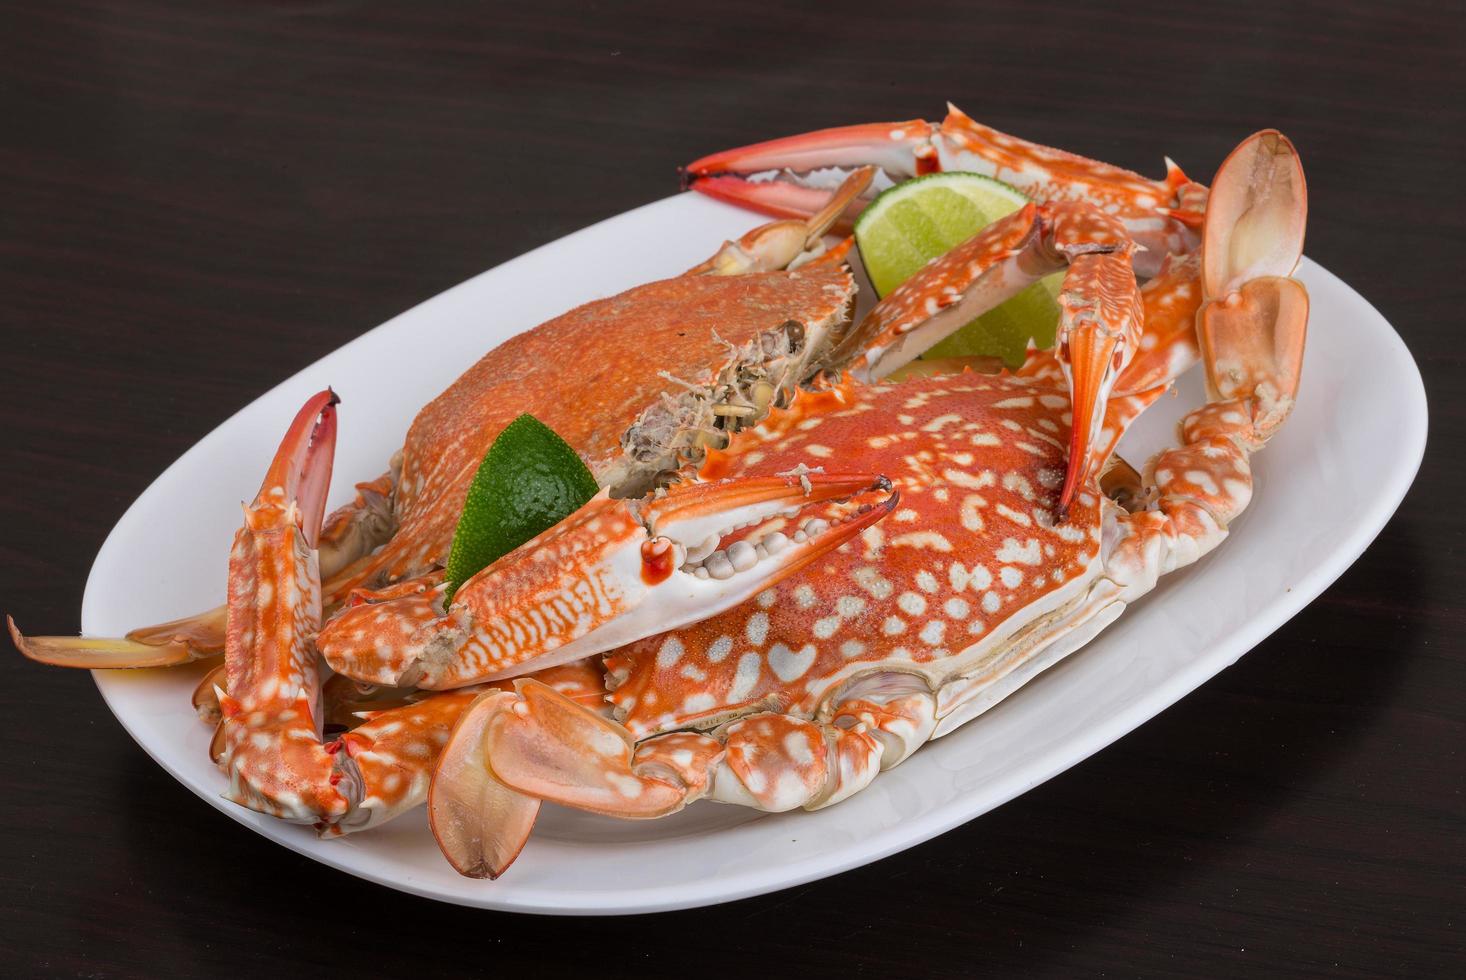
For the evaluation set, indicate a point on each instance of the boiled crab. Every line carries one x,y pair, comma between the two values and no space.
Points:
480,819
974,585
745,330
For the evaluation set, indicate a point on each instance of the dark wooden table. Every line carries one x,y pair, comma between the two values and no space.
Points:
197,201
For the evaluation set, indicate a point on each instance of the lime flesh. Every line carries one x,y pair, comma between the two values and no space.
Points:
530,480
914,222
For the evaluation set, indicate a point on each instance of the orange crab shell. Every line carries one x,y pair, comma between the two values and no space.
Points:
972,553
585,375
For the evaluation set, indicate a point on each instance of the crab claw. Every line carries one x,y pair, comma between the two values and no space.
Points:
271,745
792,176
1090,359
294,488
612,572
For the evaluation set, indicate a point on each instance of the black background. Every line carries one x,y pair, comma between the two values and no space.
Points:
197,201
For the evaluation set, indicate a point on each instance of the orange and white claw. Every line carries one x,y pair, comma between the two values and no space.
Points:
1101,309
272,751
613,572
947,293
788,176
384,765
900,150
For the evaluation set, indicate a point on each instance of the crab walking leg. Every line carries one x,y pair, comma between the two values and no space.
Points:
385,762
1166,348
511,751
612,572
1101,307
354,530
1167,345
1251,322
785,244
1252,328
389,760
172,648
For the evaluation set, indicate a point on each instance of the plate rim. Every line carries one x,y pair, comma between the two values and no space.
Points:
931,822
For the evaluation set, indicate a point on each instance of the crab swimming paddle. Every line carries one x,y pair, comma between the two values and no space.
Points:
914,222
530,480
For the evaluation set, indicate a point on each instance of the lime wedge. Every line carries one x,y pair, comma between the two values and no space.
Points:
530,480
912,223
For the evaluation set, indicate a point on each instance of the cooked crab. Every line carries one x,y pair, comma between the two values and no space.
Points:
974,585
1112,361
743,331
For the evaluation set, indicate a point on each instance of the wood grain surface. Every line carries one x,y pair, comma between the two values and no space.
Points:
197,200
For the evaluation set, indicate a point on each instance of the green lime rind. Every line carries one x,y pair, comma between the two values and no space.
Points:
914,222
530,480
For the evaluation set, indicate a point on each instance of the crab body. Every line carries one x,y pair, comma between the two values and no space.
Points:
972,556
701,326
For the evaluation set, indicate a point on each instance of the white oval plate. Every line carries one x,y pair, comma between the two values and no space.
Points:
1325,487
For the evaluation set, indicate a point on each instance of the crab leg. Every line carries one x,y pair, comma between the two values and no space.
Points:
786,244
612,572
1101,310
272,751
510,751
1252,329
354,530
1251,321
386,763
269,743
791,176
